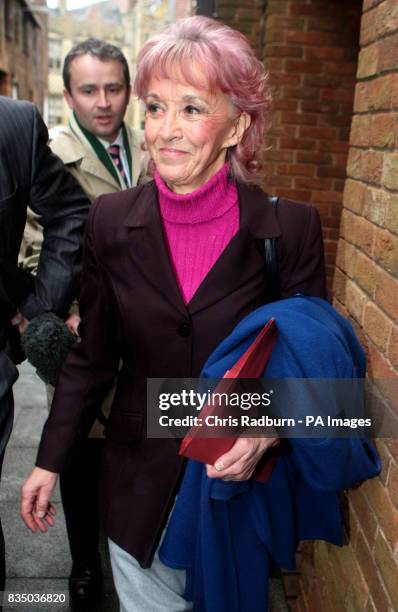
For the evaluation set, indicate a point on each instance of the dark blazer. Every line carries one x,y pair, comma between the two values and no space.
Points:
30,175
132,309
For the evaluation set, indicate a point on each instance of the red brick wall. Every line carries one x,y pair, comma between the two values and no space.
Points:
364,574
311,52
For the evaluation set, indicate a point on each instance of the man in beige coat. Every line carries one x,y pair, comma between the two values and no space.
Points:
104,155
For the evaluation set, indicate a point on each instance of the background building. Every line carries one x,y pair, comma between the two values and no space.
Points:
23,50
124,23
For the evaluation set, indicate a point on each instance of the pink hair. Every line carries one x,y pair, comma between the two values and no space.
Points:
227,63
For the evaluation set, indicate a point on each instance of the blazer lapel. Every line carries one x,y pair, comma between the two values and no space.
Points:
242,258
148,248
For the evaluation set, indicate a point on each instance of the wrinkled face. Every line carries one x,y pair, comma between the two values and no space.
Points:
188,131
99,95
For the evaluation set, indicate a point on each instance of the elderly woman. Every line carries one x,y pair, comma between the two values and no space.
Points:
170,268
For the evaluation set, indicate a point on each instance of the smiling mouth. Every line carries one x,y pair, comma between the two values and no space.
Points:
172,152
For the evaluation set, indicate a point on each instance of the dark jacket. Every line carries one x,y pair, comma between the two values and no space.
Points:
131,308
32,176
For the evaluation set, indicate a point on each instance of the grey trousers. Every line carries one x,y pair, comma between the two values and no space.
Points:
156,589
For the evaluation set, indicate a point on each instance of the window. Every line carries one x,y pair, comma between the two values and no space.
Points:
25,34
7,18
54,110
17,22
54,53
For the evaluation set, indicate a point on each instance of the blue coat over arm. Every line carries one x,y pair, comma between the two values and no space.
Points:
226,533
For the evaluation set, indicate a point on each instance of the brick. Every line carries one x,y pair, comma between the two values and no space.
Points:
318,39
354,195
284,104
332,147
392,444
390,171
386,250
383,129
377,326
338,185
324,53
312,183
356,300
321,106
332,172
349,573
347,227
379,93
387,567
279,181
300,8
274,64
340,68
391,213
360,133
283,22
274,50
392,351
337,93
385,457
365,273
387,18
388,53
372,167
296,169
303,66
339,285
345,257
297,143
299,118
361,98
313,157
310,93
375,202
355,163
378,498
386,294
393,79
278,8
338,120
365,515
317,132
364,235
370,571
278,79
368,31
368,61
276,155
392,483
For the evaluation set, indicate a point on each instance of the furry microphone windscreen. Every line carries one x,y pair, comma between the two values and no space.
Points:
46,343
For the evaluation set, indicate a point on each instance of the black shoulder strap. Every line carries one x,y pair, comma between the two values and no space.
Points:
272,286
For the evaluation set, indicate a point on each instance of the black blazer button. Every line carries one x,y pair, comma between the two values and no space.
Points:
184,330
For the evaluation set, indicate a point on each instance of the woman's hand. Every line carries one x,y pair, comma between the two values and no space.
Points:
36,509
239,462
72,323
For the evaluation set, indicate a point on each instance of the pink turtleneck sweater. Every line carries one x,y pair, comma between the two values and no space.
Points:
198,226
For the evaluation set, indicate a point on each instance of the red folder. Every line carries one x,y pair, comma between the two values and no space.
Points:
198,443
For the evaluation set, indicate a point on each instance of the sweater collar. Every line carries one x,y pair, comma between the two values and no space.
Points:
211,200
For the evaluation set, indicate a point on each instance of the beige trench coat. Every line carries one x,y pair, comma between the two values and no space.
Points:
81,160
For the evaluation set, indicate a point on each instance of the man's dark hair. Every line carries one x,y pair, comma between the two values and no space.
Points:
97,48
